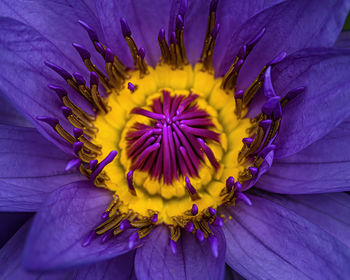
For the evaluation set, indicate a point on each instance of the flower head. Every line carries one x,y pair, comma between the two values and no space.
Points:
172,133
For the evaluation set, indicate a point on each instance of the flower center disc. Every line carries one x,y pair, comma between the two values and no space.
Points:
169,129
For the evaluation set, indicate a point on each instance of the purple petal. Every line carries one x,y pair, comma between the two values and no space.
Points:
9,115
30,169
326,75
11,264
290,26
330,212
25,78
144,18
10,223
269,241
61,226
230,15
343,40
322,167
193,259
57,21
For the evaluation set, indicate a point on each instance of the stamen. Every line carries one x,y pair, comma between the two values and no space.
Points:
189,227
173,246
130,41
214,245
132,239
109,158
229,183
131,87
194,210
200,235
290,95
58,128
192,191
179,30
74,163
85,56
210,27
244,198
89,238
129,178
218,222
164,48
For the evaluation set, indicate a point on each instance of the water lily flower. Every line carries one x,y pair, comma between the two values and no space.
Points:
165,139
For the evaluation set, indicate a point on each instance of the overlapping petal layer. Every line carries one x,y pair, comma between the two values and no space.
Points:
25,79
62,226
290,26
30,169
270,241
11,267
320,168
193,260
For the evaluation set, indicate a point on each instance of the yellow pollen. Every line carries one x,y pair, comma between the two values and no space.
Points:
170,201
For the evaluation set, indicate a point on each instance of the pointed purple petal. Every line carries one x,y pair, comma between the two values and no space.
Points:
322,167
75,209
269,241
30,168
193,259
11,264
308,117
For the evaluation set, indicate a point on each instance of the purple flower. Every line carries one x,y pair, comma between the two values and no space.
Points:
161,120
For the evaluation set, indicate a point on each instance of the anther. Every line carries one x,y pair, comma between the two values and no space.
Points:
105,215
61,92
129,40
290,95
214,245
218,222
125,224
279,58
54,123
211,211
247,141
191,190
253,171
89,238
244,198
106,236
239,103
210,27
173,246
129,179
229,183
174,52
164,48
142,66
93,164
183,8
189,227
154,218
200,235
208,49
109,158
132,239
77,146
194,210
92,34
85,56
131,87
255,40
59,70
74,163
